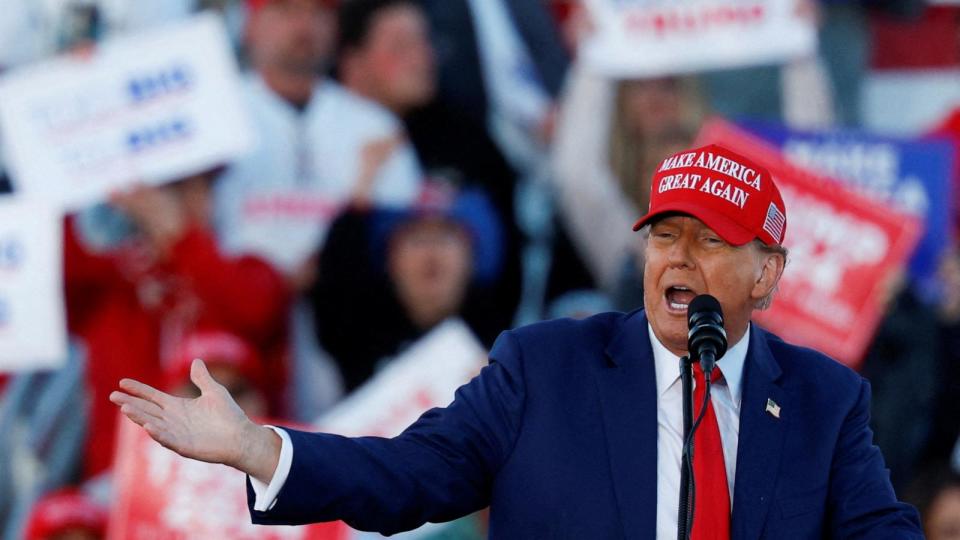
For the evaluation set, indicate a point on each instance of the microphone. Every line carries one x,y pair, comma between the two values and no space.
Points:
706,343
707,340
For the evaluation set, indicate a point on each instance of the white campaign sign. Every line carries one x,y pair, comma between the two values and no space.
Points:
424,376
151,107
32,321
649,38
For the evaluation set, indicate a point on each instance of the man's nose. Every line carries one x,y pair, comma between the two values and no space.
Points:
680,255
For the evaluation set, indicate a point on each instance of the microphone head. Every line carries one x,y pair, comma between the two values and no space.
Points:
705,320
702,305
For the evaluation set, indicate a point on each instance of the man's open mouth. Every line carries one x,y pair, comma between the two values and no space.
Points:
678,298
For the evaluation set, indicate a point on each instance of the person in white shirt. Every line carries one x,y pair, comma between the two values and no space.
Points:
319,148
318,142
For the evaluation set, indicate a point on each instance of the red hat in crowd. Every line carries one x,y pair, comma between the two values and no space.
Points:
726,191
254,5
215,347
65,510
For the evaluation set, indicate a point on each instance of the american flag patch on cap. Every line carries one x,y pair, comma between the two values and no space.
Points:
775,222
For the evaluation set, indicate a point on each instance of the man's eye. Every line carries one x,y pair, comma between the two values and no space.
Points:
713,240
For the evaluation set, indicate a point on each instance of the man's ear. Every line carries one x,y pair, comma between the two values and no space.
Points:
771,270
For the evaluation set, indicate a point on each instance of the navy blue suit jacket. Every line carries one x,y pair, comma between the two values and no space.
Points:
559,436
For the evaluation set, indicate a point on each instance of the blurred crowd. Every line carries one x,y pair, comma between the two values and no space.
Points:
417,161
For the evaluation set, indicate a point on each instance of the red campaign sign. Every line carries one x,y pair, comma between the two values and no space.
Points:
845,251
162,496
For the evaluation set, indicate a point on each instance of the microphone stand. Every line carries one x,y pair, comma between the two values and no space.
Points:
685,514
688,483
707,341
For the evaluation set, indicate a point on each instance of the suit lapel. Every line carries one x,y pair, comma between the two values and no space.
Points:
761,439
628,394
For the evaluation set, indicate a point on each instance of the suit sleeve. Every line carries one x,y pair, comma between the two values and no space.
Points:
862,501
440,468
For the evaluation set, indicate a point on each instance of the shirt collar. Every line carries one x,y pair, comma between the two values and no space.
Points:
668,364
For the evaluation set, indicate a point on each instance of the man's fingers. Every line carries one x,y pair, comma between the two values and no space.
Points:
139,416
149,393
168,439
148,407
156,427
160,433
201,377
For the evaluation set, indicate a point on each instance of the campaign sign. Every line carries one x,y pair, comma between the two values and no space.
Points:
33,332
913,176
151,107
845,250
165,496
162,495
424,376
645,38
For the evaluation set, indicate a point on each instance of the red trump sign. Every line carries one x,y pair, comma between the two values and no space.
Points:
163,496
846,252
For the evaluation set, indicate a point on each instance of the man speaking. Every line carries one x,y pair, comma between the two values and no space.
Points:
575,429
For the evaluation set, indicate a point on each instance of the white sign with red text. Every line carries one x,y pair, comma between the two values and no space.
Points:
33,332
649,38
151,107
424,376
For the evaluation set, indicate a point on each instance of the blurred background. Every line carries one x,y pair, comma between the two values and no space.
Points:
315,195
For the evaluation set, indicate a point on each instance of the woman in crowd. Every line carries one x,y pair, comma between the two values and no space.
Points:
387,277
610,135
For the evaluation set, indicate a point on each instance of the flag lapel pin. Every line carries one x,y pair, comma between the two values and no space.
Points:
773,408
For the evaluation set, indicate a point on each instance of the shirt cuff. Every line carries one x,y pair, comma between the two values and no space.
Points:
265,496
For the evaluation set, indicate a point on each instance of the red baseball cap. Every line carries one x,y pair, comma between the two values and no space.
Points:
215,347
726,191
65,510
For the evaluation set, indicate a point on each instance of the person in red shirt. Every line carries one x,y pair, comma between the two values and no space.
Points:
130,300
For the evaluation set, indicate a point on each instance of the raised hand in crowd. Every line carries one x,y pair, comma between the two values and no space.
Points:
210,428
372,158
165,213
157,211
304,275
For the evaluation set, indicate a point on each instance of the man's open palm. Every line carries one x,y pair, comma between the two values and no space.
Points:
209,428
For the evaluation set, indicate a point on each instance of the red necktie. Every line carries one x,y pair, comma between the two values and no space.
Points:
711,518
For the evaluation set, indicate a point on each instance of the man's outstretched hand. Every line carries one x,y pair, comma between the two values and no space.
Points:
209,428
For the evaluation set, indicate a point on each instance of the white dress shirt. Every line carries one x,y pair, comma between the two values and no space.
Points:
725,397
266,495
